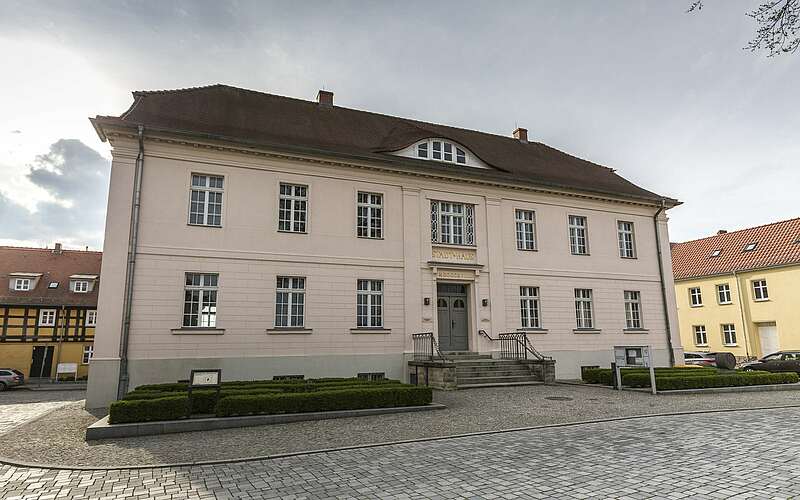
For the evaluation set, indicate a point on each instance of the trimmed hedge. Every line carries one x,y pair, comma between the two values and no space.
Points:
345,399
147,410
286,385
604,376
737,379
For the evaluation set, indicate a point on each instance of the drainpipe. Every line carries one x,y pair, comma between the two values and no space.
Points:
741,313
663,284
133,236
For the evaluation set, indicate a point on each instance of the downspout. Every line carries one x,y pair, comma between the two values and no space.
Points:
133,236
663,284
741,313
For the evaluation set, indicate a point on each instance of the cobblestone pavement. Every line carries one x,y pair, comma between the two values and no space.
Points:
18,406
741,454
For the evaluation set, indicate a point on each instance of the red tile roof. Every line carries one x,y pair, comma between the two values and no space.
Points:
53,267
777,244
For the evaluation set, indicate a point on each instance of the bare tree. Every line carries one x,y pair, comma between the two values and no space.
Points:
778,26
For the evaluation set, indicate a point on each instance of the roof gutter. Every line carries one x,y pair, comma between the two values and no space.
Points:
133,238
663,283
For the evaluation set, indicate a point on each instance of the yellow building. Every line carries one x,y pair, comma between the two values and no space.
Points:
738,292
48,310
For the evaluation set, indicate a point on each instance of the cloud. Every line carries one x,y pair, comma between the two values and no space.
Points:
76,178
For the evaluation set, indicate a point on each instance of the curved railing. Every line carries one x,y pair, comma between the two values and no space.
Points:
426,348
516,345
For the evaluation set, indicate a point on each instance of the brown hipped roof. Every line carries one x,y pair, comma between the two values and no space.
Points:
247,117
53,267
777,244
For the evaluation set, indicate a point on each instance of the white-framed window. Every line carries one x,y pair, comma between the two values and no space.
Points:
80,286
633,309
205,202
700,337
724,293
200,300
529,307
760,291
452,223
695,297
440,150
290,301
583,308
370,215
716,253
292,208
750,247
22,284
627,242
88,353
578,242
728,335
91,318
369,303
526,229
47,317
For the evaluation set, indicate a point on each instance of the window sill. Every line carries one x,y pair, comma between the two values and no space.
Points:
454,245
371,330
760,300
635,330
725,303
191,330
586,330
369,238
697,306
580,254
730,345
533,330
289,330
283,231
527,249
628,258
701,345
204,225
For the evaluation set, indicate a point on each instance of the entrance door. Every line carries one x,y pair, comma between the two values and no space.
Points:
452,314
42,362
768,334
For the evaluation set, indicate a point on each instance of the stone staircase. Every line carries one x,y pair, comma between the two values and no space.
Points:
480,370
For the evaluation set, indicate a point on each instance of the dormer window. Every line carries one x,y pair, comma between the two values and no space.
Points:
81,286
442,151
22,284
82,283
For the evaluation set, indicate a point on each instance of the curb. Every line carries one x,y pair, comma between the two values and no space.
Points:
6,461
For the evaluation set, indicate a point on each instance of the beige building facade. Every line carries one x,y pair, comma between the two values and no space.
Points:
319,263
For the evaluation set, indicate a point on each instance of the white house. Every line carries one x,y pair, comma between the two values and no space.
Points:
272,236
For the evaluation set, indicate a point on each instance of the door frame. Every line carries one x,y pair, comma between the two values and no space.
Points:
47,348
470,303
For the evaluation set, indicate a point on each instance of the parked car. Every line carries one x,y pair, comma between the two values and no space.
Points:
781,361
10,377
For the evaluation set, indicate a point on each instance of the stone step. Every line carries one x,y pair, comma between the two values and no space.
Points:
495,380
486,362
492,372
496,384
463,355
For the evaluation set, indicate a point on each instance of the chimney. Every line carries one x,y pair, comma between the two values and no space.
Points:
325,98
57,249
521,134
722,231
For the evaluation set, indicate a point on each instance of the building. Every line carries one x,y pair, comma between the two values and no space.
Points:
276,236
48,309
737,291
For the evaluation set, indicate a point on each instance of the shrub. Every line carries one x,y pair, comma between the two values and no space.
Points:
328,400
146,410
735,379
172,387
605,375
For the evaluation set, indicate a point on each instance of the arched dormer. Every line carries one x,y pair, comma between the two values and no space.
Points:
443,150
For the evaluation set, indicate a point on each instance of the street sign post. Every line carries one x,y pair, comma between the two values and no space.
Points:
630,356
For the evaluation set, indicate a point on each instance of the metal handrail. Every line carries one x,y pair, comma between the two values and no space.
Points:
426,347
515,345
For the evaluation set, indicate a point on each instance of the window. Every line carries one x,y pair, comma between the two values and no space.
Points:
292,209
627,247
81,286
88,352
369,308
700,337
452,223
290,301
47,317
724,293
205,206
716,253
750,247
442,151
22,284
91,318
760,290
370,215
633,309
695,297
200,300
53,284
577,235
529,306
583,308
728,335
526,229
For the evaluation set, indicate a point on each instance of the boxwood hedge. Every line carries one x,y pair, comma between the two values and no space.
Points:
147,410
729,379
605,375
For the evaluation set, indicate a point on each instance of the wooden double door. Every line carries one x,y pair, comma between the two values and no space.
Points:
452,309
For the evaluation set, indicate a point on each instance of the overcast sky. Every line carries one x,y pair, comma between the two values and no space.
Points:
667,98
